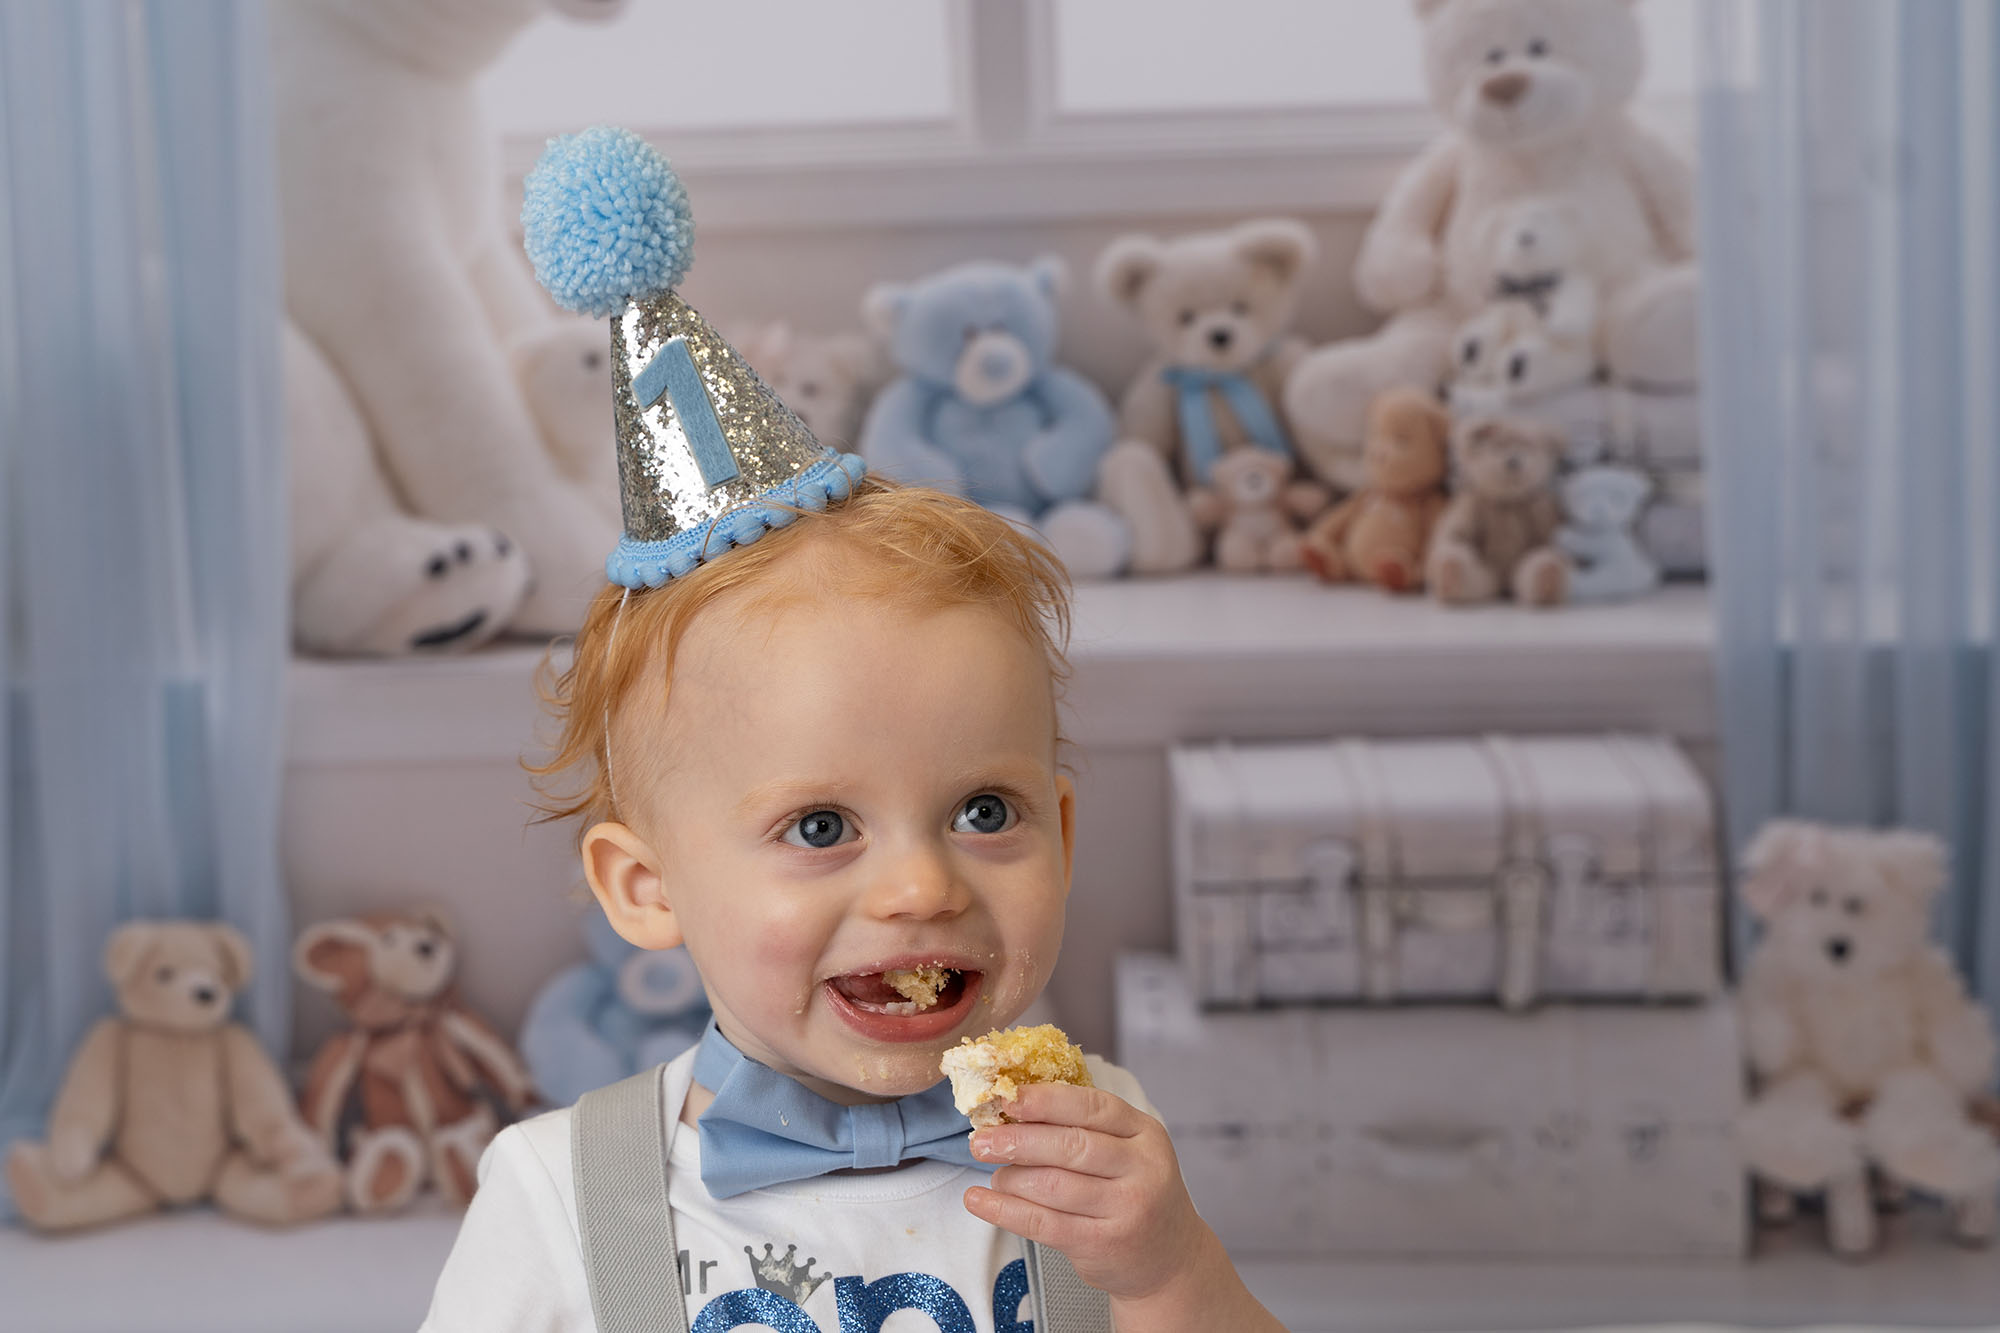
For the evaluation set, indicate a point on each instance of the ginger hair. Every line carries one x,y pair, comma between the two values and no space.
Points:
906,545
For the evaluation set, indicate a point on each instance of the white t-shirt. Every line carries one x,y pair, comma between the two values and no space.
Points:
885,1252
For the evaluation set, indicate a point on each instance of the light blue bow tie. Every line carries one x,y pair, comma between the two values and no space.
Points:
764,1128
1197,415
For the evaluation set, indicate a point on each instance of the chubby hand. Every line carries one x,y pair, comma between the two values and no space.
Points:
1090,1175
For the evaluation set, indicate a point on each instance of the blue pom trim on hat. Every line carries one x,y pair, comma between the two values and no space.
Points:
606,221
636,564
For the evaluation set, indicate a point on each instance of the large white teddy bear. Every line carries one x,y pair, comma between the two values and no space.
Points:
1866,1050
1535,95
431,507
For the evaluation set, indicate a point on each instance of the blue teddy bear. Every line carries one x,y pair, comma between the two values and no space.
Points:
1603,503
982,410
625,1010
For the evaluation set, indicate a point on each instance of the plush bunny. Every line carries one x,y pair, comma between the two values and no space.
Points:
413,1091
170,1102
1863,1044
622,1010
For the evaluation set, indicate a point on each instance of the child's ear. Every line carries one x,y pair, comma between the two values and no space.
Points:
625,876
1066,810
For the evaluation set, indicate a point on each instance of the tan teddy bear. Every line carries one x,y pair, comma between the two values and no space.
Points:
1216,307
1244,505
408,1094
1496,537
172,1103
1379,534
1864,1046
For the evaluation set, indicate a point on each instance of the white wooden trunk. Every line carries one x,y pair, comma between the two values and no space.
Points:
1600,1131
1516,868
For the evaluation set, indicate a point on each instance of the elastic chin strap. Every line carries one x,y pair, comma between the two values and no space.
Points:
610,641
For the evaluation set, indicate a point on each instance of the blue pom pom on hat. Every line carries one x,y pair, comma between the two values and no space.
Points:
606,221
708,457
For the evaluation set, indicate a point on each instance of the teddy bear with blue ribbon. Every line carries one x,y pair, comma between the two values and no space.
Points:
622,1010
1216,308
981,409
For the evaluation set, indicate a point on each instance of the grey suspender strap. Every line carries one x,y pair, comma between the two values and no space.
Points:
618,1154
1064,1302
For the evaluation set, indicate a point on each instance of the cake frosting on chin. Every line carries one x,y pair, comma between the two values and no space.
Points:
989,1072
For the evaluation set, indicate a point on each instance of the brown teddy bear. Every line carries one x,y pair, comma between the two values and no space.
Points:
1216,307
1496,536
1244,504
409,1094
1380,533
172,1103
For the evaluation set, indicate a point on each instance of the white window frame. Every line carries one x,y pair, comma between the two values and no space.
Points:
1007,152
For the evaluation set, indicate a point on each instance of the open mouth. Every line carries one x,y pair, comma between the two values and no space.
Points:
912,1003
438,638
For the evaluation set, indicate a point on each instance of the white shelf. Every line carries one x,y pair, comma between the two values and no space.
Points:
195,1272
1161,660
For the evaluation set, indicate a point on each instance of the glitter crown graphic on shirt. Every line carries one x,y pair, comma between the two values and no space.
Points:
777,1273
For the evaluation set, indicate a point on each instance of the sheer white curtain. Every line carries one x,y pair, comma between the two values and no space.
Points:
1850,244
142,522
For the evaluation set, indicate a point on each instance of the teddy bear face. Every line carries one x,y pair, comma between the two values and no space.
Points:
655,982
565,374
177,975
1604,499
1408,446
1842,903
820,378
982,330
1250,479
1505,458
1217,300
1520,72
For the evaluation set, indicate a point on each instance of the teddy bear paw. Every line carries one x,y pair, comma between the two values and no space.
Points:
1850,1216
1542,579
1456,577
403,585
1091,540
1973,1219
386,1171
27,1178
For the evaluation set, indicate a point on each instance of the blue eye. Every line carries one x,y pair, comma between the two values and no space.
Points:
985,813
821,828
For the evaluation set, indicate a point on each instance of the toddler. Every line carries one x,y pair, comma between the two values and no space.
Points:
814,734
824,756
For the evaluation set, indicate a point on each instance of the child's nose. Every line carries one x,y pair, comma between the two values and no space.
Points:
919,885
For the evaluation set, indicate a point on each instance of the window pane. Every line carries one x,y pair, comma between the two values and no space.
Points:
1178,55
751,64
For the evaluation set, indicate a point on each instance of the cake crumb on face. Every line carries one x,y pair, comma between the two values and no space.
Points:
918,985
988,1072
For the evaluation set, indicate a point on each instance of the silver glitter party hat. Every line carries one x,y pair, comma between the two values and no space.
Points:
708,457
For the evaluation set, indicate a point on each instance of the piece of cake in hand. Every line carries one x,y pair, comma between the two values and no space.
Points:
988,1072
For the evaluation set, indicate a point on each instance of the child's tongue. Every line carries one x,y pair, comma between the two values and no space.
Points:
868,988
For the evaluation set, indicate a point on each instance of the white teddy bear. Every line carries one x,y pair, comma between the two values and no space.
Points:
406,291
1606,563
1865,1048
1535,93
1538,257
824,378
